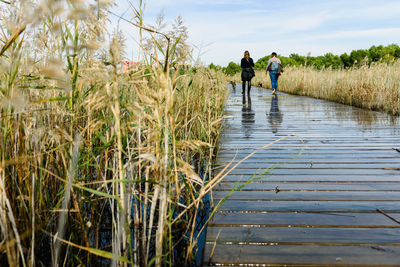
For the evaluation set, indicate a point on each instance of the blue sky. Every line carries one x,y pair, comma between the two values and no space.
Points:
225,28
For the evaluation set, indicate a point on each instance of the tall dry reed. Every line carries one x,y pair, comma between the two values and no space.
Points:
99,167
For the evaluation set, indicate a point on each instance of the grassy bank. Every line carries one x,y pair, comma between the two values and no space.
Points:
98,167
374,87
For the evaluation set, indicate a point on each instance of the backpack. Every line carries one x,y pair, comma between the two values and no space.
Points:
274,66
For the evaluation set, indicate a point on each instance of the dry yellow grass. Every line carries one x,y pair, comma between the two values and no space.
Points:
375,87
97,164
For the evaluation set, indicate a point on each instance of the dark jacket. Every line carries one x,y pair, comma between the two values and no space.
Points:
247,69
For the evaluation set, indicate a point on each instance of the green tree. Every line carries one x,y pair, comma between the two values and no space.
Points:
397,52
297,59
346,60
316,62
358,57
332,61
212,66
232,68
376,53
262,63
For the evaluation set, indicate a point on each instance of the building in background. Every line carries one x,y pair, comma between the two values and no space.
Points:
128,66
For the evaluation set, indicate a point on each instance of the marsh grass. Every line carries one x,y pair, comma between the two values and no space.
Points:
374,87
98,167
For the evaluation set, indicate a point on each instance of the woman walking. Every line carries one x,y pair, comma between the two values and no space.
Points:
275,70
247,65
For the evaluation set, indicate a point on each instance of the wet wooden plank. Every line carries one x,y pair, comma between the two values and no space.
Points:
304,219
282,186
305,133
295,177
312,144
338,136
244,206
313,255
297,235
313,165
345,152
309,195
332,177
313,219
315,171
325,148
306,160
307,143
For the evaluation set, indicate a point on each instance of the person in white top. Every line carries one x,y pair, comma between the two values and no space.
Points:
275,69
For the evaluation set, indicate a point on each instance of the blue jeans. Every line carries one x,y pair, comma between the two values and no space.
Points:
274,79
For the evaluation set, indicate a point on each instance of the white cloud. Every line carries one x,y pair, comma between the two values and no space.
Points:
390,34
370,33
304,22
370,11
290,26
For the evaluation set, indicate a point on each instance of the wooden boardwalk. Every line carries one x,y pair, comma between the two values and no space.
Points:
317,205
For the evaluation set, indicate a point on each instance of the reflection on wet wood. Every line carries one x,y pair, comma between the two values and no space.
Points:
315,197
299,206
296,235
306,255
283,186
315,165
314,171
314,219
309,195
320,178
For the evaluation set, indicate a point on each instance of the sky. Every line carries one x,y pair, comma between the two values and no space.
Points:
221,30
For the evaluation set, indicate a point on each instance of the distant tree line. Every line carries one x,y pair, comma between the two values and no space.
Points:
355,59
